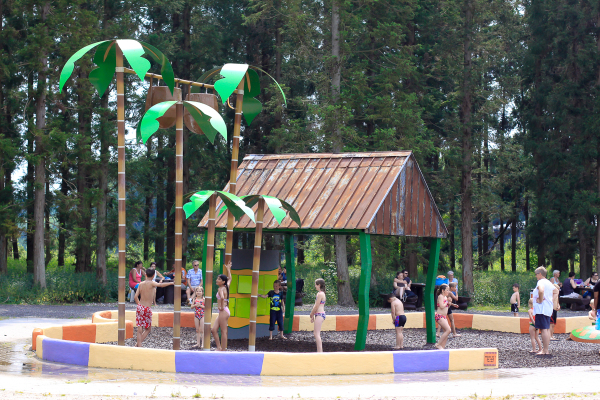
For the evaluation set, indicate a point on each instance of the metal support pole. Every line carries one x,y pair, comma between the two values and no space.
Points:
432,271
363,291
290,299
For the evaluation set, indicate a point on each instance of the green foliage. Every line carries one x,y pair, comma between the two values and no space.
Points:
64,286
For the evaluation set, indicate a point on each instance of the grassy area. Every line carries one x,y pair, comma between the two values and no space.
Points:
64,286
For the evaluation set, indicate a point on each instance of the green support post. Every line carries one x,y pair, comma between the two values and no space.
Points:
432,271
290,299
363,291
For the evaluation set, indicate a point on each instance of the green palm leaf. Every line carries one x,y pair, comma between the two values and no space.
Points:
275,206
236,205
280,89
149,123
232,76
67,70
232,202
166,69
106,61
133,52
196,202
204,78
207,118
251,107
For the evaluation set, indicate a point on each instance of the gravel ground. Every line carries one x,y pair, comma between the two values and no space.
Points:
86,310
513,348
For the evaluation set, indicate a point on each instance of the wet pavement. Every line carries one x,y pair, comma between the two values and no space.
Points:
22,375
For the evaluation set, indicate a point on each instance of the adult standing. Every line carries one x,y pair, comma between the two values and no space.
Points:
452,279
555,280
543,306
194,278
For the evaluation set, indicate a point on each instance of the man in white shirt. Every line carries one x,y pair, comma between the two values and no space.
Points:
543,304
194,278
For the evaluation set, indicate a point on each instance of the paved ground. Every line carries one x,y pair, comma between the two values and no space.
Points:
23,376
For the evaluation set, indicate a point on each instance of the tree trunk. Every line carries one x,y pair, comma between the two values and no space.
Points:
526,212
103,188
300,248
502,232
48,209
513,244
467,154
30,177
411,250
63,215
39,265
84,222
3,238
582,251
343,275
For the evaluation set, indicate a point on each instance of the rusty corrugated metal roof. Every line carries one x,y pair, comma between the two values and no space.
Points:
381,193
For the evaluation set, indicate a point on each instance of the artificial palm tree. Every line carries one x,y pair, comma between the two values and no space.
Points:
244,80
211,123
237,208
109,59
278,208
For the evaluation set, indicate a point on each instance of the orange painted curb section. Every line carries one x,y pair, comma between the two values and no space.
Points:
165,319
524,324
36,332
350,322
80,333
463,321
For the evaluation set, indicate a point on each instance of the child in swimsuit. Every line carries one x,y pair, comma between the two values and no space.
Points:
197,300
533,333
441,314
317,315
515,300
398,318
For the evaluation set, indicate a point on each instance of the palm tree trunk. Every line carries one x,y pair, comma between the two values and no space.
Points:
210,258
235,155
178,224
256,273
121,190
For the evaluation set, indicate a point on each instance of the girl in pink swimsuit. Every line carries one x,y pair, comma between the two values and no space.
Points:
317,315
198,307
441,313
223,282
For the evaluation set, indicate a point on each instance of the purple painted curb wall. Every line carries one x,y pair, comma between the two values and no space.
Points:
421,361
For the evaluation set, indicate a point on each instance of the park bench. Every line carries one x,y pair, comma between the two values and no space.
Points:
575,304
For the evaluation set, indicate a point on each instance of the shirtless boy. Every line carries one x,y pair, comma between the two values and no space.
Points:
144,298
398,318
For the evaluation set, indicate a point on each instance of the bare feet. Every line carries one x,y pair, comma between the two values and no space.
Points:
456,335
397,348
439,347
283,337
533,351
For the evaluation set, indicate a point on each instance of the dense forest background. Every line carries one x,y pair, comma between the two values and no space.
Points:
498,99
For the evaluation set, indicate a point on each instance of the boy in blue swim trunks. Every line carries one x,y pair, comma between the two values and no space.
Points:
398,318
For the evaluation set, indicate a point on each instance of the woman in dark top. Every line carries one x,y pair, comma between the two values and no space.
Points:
591,281
568,287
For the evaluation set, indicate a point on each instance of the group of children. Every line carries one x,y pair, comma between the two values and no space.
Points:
144,297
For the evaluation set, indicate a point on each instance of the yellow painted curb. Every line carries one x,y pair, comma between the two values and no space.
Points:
496,323
107,332
39,346
413,320
328,363
572,323
384,321
469,359
53,332
106,356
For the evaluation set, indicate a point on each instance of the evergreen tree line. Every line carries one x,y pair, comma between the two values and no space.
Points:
498,99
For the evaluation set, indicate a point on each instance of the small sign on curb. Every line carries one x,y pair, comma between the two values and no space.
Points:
490,359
